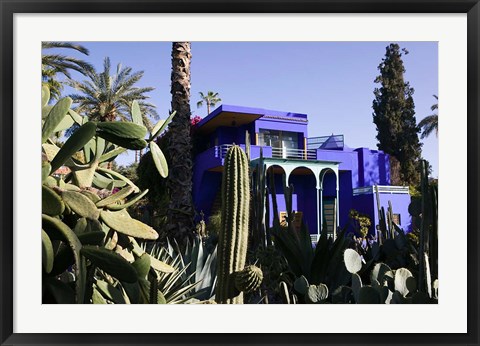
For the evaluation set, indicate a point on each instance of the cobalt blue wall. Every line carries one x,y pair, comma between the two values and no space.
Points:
345,196
280,196
373,167
210,185
304,186
367,204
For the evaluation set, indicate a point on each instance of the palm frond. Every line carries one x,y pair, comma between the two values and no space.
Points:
69,45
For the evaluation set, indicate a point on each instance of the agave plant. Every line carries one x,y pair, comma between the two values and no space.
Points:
196,276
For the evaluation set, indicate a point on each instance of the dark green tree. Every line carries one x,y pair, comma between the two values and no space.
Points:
394,115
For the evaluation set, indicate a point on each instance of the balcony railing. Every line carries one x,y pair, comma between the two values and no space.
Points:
381,189
285,153
289,153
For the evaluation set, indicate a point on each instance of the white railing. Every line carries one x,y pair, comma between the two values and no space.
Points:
222,149
285,153
381,189
288,153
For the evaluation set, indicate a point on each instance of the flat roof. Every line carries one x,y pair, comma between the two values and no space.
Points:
234,116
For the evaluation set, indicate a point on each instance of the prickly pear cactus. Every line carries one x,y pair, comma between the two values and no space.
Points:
233,238
84,213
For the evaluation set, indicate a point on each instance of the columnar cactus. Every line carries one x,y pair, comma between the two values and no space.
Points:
233,237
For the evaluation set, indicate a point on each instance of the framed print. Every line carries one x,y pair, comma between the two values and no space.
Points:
252,231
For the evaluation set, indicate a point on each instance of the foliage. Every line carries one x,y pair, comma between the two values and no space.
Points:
89,248
107,97
275,270
180,211
195,278
54,64
210,99
361,222
430,122
149,178
214,224
394,115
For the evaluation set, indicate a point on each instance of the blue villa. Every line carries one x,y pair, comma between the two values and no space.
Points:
323,170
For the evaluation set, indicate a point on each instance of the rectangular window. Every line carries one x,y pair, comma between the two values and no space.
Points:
284,143
396,219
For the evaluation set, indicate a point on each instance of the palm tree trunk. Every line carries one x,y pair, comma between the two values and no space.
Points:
180,212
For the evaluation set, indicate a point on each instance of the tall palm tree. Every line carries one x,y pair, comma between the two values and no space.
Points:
180,211
430,123
106,97
210,99
54,64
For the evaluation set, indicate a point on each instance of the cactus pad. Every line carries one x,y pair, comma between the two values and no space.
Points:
52,204
301,285
353,261
316,294
121,222
80,204
402,283
110,262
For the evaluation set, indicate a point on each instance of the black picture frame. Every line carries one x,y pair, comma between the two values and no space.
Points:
9,7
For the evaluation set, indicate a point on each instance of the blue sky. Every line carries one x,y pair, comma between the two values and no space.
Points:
332,82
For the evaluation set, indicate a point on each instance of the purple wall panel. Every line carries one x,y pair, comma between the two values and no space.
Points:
305,189
348,162
280,197
207,191
373,167
345,196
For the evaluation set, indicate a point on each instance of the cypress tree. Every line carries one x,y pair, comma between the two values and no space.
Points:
394,115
